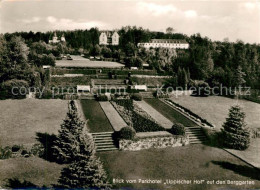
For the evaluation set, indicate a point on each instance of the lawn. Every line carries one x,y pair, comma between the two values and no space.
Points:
33,169
97,120
215,109
88,63
180,163
21,119
170,113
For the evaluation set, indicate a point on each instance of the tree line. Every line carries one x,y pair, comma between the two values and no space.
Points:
215,62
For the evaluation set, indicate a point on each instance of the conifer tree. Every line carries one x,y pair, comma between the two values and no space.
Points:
86,171
66,147
235,133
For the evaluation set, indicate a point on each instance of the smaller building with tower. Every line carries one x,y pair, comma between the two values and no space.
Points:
56,40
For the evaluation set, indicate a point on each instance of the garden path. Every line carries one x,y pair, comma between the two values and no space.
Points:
113,116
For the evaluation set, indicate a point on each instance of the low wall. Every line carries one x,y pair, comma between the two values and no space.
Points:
153,142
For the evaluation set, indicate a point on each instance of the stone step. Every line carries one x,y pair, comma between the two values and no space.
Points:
106,146
103,140
97,138
102,133
106,149
100,143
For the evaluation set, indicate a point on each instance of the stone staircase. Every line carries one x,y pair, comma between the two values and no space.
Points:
196,135
104,141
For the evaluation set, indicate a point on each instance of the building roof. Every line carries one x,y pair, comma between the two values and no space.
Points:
169,41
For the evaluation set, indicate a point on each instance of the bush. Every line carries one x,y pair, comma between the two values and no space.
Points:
5,153
137,97
102,98
16,148
127,133
178,129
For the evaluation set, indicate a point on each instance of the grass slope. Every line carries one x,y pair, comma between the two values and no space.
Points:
185,163
33,169
21,119
97,120
170,113
215,109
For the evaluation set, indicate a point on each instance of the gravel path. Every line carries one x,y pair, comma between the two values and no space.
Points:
113,116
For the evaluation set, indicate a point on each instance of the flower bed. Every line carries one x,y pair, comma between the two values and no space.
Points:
162,140
135,117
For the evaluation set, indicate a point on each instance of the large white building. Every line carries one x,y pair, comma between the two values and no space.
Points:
165,43
109,38
56,40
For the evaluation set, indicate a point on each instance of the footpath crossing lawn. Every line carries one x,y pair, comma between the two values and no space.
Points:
197,162
170,113
113,116
157,116
97,120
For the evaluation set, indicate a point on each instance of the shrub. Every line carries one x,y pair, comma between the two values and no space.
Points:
102,98
178,129
16,148
5,153
255,133
137,97
127,133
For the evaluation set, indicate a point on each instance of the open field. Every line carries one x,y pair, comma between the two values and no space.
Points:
215,109
113,116
97,120
33,169
194,162
88,63
21,119
170,113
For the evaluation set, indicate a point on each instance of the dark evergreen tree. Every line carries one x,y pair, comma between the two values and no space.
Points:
86,171
67,145
235,133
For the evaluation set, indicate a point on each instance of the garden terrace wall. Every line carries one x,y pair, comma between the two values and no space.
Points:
161,139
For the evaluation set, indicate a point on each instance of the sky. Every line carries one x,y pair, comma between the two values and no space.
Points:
216,19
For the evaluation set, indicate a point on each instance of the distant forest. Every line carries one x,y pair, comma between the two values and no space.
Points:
214,62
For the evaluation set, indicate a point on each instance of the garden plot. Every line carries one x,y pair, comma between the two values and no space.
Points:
115,119
157,116
136,117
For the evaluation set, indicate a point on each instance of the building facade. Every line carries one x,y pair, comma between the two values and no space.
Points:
165,43
109,38
55,39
